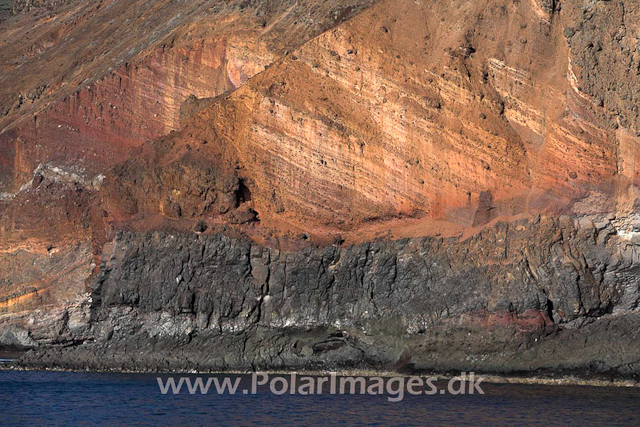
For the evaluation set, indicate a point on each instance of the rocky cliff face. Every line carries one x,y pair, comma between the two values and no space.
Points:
104,76
493,303
416,110
84,82
322,184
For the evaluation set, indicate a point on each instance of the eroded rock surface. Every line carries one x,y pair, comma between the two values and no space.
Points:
397,184
492,303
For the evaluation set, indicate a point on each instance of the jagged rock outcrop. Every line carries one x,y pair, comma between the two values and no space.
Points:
491,303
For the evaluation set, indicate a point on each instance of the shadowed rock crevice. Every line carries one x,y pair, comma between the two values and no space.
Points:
243,194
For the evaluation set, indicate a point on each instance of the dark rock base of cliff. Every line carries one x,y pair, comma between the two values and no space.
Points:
545,295
605,349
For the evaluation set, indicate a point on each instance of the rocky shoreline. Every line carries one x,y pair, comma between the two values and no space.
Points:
494,303
582,379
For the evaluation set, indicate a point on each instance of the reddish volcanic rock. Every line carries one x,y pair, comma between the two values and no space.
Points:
84,104
420,120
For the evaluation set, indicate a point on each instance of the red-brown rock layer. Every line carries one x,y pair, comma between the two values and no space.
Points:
416,109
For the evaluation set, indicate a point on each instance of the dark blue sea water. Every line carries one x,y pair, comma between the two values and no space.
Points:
61,398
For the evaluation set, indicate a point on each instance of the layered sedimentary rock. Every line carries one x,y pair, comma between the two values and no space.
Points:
104,76
242,183
84,82
422,110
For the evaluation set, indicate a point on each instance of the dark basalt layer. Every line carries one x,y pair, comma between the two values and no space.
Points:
494,302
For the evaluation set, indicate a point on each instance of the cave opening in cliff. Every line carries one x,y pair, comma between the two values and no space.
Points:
243,194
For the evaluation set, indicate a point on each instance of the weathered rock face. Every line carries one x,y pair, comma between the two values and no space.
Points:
420,107
492,302
22,6
276,130
84,104
84,82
